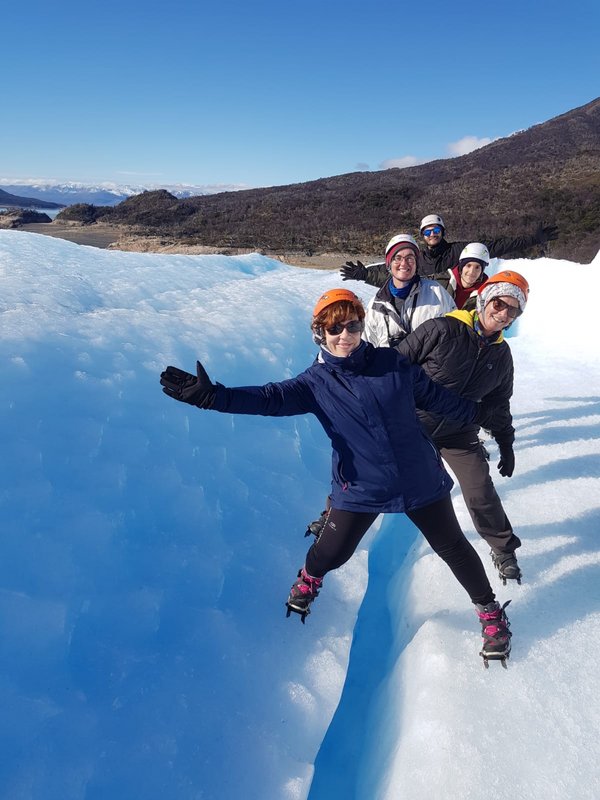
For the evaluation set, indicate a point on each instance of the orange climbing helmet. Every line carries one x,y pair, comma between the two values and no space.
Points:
334,296
505,282
508,276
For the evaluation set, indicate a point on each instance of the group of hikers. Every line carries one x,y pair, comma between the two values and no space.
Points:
400,387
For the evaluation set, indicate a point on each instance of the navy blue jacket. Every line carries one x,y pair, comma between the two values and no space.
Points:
382,460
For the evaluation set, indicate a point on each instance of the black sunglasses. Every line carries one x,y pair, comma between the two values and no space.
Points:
499,305
355,326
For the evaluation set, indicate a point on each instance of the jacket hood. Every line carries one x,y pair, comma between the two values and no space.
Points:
464,316
355,362
468,318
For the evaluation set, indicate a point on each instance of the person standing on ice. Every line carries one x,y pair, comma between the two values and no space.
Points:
466,351
439,255
365,399
406,299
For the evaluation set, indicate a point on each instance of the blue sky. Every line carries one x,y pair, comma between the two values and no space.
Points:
269,93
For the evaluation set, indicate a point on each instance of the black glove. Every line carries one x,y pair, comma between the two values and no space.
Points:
353,272
506,465
197,390
546,233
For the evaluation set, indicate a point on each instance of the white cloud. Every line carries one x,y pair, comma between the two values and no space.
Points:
27,181
467,144
404,161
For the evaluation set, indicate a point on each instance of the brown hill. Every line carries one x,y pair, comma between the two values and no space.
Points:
550,173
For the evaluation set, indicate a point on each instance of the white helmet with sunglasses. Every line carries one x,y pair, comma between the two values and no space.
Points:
431,221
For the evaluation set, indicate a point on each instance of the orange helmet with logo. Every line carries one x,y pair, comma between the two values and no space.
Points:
334,296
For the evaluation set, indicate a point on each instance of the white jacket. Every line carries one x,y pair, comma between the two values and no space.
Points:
386,326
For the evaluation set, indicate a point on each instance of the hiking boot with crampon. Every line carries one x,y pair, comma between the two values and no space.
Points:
495,629
315,528
507,566
302,594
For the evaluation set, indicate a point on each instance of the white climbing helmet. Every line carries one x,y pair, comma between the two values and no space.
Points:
399,242
475,251
402,238
432,219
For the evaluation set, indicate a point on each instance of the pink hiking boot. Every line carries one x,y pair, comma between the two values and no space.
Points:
495,628
302,593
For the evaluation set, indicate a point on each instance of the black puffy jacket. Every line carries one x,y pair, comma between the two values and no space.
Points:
446,255
452,353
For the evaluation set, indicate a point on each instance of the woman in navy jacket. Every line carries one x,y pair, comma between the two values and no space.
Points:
365,398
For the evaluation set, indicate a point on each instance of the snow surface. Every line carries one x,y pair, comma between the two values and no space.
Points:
148,548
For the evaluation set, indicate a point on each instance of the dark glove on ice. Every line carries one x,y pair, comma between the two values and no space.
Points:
546,233
197,390
506,465
353,272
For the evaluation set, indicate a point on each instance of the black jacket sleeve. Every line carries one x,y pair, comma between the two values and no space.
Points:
518,245
377,274
503,430
443,278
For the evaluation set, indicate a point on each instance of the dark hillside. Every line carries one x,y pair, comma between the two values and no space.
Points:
550,173
7,199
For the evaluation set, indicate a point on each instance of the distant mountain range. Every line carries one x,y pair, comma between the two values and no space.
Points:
42,194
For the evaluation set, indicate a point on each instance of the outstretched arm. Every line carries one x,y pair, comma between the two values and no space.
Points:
284,399
517,245
373,274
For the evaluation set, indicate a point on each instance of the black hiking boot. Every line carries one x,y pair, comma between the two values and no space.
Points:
315,528
507,566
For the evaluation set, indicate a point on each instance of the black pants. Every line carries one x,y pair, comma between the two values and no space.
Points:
438,524
472,470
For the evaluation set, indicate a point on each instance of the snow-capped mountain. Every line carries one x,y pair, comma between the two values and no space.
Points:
102,194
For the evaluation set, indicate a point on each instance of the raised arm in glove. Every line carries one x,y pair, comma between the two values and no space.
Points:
353,271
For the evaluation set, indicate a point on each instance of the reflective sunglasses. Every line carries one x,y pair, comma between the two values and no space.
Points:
355,326
500,305
437,230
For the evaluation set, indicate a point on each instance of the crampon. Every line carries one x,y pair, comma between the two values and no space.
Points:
495,629
507,566
303,592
